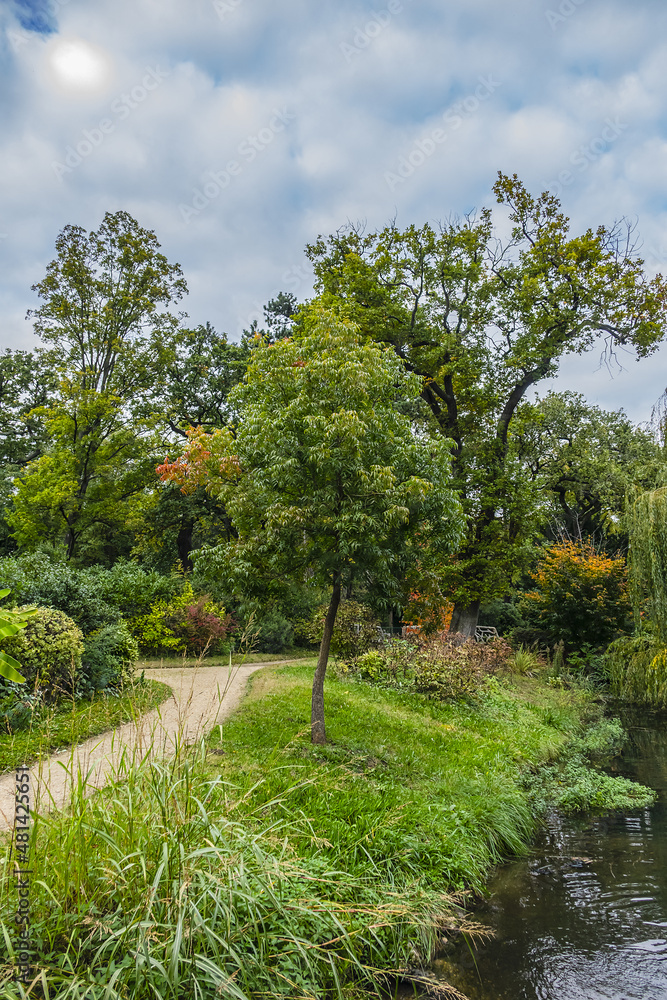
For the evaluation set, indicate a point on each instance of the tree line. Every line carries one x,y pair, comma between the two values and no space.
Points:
384,436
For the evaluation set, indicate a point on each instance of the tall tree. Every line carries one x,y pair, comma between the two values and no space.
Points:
107,340
480,320
584,460
322,474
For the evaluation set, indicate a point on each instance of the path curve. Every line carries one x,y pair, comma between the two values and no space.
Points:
201,697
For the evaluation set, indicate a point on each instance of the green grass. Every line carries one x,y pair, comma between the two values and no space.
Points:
255,865
69,723
167,662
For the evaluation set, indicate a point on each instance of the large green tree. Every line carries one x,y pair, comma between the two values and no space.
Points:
584,460
108,338
323,475
480,319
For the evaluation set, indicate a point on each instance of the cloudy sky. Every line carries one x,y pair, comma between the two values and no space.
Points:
239,130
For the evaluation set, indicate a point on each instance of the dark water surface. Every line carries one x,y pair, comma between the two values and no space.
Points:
585,916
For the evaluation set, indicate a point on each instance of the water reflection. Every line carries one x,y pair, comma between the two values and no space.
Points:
584,918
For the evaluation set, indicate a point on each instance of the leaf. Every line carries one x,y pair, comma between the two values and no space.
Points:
8,669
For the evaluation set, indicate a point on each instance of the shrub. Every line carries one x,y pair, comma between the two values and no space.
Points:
183,624
35,579
201,626
579,595
108,659
131,589
355,631
18,710
49,650
273,632
448,668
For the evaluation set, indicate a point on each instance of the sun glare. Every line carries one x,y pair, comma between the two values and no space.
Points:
78,66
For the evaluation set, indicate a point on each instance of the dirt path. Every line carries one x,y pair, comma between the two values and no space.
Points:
201,697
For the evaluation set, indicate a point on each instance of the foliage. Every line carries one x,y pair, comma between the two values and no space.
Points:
36,579
131,588
323,474
185,623
49,649
19,710
585,458
108,659
524,660
481,318
11,623
575,787
580,595
107,344
272,631
354,632
647,520
446,668
50,727
637,670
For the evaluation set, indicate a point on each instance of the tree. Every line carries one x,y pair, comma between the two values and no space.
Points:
108,343
481,320
322,474
585,459
580,595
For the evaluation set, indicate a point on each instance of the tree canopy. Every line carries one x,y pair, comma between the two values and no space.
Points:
322,474
481,319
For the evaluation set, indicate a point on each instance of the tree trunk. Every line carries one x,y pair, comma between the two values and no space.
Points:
318,734
184,545
464,619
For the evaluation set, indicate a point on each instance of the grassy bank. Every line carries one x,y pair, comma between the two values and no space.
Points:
69,723
256,865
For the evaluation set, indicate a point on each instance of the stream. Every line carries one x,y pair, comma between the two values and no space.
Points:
584,916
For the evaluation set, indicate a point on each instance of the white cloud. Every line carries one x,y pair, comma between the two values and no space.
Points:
223,73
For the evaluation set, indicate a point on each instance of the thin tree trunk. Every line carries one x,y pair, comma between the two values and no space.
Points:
318,734
464,619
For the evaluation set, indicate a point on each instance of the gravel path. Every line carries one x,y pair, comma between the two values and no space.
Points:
201,697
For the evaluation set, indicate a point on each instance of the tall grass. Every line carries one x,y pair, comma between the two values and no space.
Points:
252,864
173,883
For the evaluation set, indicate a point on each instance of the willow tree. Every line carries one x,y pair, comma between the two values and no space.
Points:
481,319
322,474
638,665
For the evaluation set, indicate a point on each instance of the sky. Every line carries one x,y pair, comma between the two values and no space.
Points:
241,130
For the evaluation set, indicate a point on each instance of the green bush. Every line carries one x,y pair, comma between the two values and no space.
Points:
18,709
109,656
274,632
355,631
49,650
36,579
183,624
131,589
445,668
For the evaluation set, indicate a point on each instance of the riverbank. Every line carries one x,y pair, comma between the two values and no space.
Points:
256,863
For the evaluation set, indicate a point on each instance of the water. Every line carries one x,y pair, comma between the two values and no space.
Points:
585,916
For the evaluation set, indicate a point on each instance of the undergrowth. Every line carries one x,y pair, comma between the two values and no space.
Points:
256,864
69,722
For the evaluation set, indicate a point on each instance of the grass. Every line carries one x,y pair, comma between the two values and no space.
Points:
256,865
69,723
167,662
